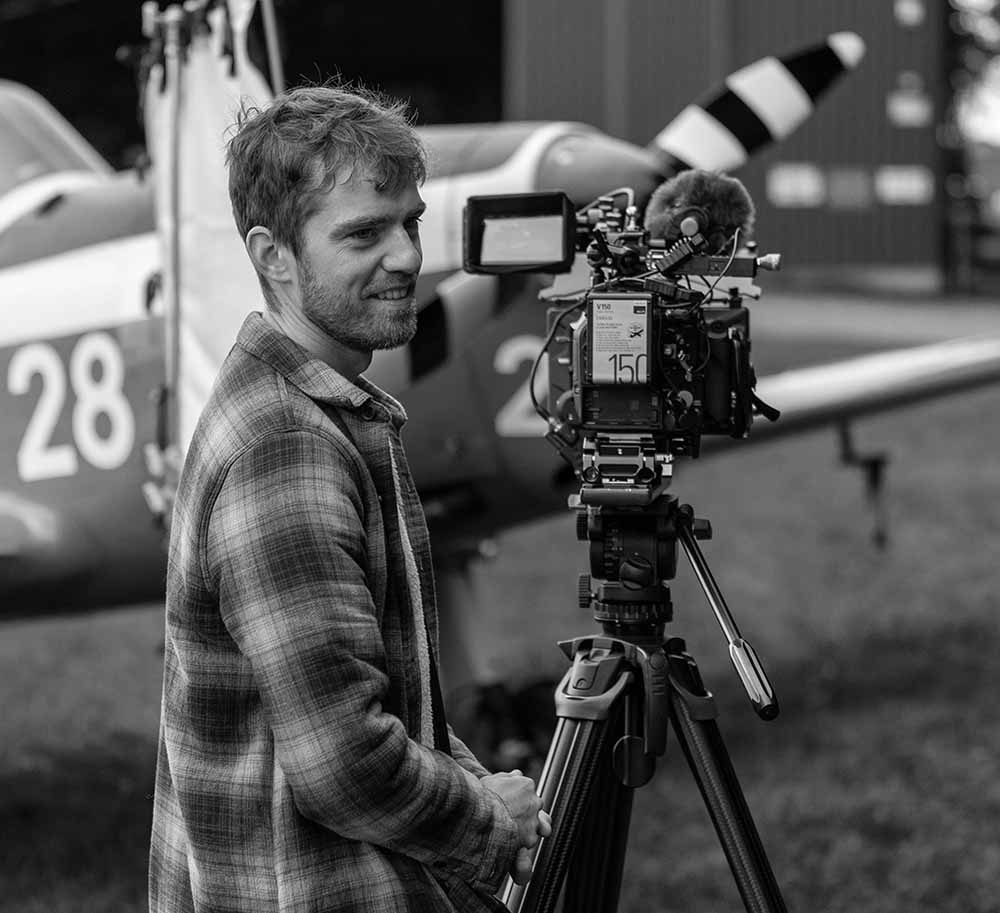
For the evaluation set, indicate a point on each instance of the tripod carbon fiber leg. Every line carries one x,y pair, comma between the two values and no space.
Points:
613,707
578,766
692,713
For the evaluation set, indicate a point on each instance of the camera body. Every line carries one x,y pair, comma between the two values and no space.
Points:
651,363
647,359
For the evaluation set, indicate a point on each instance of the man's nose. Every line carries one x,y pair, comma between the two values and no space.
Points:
404,254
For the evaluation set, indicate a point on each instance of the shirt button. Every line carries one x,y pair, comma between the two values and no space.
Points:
369,411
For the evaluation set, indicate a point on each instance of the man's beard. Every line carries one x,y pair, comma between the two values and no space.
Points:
354,324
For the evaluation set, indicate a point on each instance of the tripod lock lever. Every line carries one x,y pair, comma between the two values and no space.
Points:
743,656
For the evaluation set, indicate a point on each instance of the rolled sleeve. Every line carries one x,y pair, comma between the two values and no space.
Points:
286,554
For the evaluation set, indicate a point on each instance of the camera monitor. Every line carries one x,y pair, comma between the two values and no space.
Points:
519,233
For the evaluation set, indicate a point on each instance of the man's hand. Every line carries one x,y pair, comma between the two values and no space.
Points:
518,794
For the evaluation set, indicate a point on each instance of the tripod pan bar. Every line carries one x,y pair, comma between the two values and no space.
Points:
743,656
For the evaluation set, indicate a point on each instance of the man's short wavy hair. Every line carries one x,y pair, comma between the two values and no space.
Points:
283,158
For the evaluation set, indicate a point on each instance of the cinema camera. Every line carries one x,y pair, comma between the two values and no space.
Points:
651,356
641,364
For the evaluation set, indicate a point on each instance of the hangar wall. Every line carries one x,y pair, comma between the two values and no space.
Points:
858,188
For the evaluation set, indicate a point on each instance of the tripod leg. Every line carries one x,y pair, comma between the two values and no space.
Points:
593,882
577,763
692,711
564,787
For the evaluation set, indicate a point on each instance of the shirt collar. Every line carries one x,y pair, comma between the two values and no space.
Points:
313,377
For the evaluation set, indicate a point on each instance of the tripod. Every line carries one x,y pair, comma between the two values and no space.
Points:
614,705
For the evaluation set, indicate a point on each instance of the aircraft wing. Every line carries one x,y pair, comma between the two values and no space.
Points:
825,394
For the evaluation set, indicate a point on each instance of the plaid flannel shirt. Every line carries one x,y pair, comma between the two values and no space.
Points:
304,761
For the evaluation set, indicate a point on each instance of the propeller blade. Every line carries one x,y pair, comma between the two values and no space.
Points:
758,104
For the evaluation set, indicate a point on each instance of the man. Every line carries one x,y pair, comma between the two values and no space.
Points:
305,763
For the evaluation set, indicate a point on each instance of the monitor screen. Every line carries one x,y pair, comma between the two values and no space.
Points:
522,239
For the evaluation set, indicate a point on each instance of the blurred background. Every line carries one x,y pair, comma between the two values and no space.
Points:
879,786
914,190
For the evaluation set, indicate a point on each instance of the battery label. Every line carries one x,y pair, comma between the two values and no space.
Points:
619,343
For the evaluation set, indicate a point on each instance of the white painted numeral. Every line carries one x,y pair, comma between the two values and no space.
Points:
517,416
97,393
36,457
94,397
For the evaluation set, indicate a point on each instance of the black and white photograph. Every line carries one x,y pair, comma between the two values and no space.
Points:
525,456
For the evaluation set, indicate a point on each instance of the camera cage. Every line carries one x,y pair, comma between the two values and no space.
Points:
620,427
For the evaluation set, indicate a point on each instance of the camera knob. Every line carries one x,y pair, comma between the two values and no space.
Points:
770,262
637,571
689,226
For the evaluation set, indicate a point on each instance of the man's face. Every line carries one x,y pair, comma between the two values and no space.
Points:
359,261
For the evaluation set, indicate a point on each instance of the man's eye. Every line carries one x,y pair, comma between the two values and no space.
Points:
413,225
364,234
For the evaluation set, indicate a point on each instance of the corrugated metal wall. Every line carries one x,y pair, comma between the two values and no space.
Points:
850,187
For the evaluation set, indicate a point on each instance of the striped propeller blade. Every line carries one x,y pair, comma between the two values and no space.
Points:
760,103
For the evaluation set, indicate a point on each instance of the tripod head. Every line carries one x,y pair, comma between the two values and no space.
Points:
633,553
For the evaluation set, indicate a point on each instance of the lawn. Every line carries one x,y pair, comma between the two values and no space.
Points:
877,789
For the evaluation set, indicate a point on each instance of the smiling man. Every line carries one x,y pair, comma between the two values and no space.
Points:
305,763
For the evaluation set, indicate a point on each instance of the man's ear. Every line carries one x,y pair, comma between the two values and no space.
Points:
272,260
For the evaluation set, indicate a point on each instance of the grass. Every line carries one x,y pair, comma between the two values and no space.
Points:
877,789
80,702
